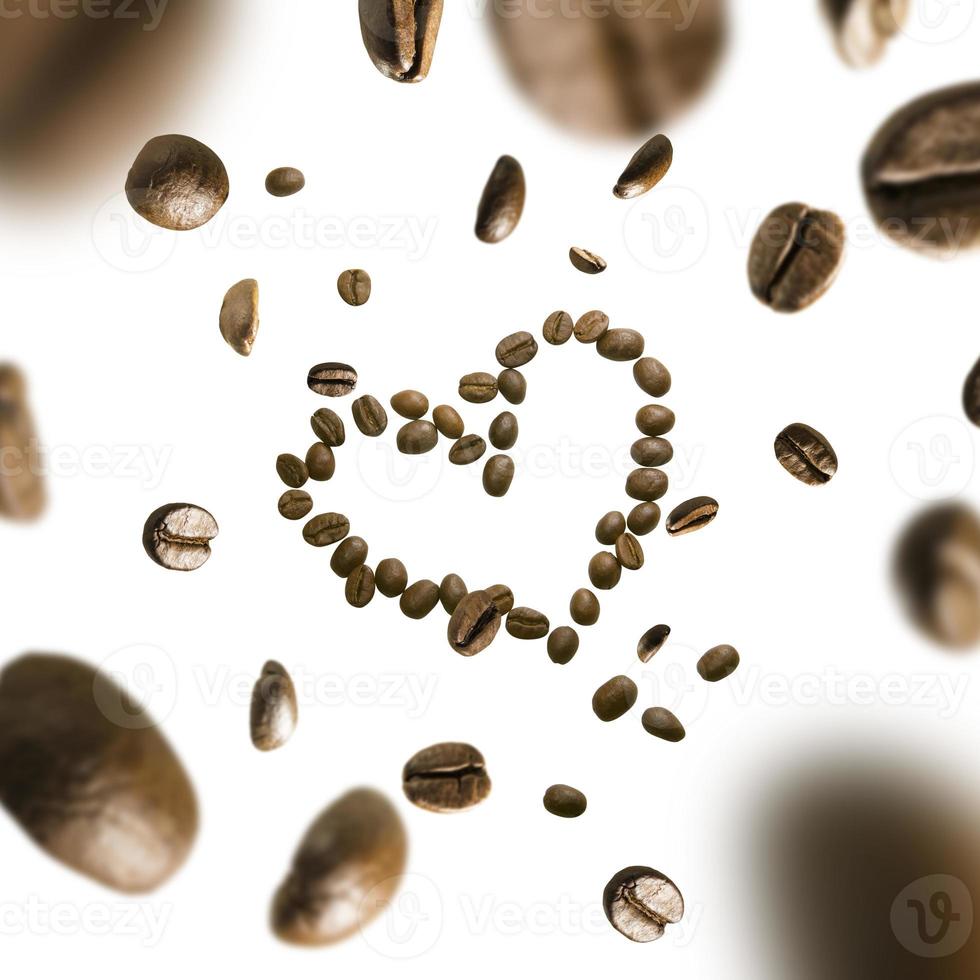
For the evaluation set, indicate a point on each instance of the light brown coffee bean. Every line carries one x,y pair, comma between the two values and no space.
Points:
655,420
610,527
504,431
294,505
285,181
502,598
292,470
369,416
448,421
22,493
354,287
502,203
718,663
239,317
179,536
806,454
498,475
274,711
418,600
591,326
360,587
417,438
584,607
621,345
478,387
446,778
400,36
863,28
651,643
647,484
524,623
652,451
587,262
513,386
558,328
648,166
351,553
605,571
629,552
326,529
321,463
410,404
332,379
391,577
692,515
474,624
614,698
452,591
643,518
467,450
663,724
640,903
655,380
563,644
516,350
329,427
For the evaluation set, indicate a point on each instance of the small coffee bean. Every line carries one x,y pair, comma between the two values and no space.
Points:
369,416
478,387
417,438
621,345
653,378
292,470
239,317
320,462
179,536
795,257
862,28
629,553
326,529
648,166
565,801
558,328
610,527
971,395
446,778
501,597
452,591
562,645
418,600
448,421
473,624
332,379
651,643
22,493
400,36
605,571
467,450
806,454
718,663
328,426
524,623
513,386
655,420
285,181
351,553
646,484
663,724
498,475
614,698
391,577
410,404
516,350
354,287
502,203
640,902
692,515
652,451
591,326
504,430
274,710
177,183
587,262
584,607
643,518
294,505
360,587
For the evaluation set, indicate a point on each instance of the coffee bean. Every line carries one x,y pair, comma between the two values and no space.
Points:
565,801
446,778
806,454
329,427
239,317
274,710
410,404
294,505
663,724
369,416
692,515
391,577
646,484
640,902
591,326
292,470
610,527
360,587
88,775
562,645
478,388
502,597
971,395
326,529
320,462
648,166
177,183
516,350
351,553
621,345
795,257
504,430
605,571
587,262
652,451
448,421
354,287
502,203
474,624
719,663
418,600
498,475
651,643
332,379
452,591
584,607
558,328
614,698
179,536
524,623
352,857
653,378
22,494
655,420
400,36
467,450
629,553
285,181
862,28
643,518
513,386
417,438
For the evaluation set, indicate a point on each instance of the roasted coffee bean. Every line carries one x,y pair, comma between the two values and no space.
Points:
629,552
478,388
22,495
652,451
516,350
648,166
369,416
347,868
562,645
294,505
806,454
329,427
614,698
274,708
655,420
332,379
795,257
719,663
504,431
663,724
391,577
446,778
448,421
587,262
418,600
502,598
647,484
524,623
452,591
467,450
360,587
621,345
643,518
512,385
558,328
610,527
177,183
326,529
400,36
971,395
474,624
410,404
591,326
692,515
502,203
292,470
498,475
417,438
655,380
651,643
320,462
351,553
89,776
354,287
285,181
605,571
239,317
640,902
584,607
565,801
179,536
862,28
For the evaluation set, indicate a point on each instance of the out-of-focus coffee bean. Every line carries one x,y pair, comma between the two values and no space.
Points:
646,484
524,623
648,166
391,577
502,203
504,431
478,387
863,28
417,438
655,420
692,515
400,36
591,326
474,624
332,379
584,607
643,518
418,600
360,587
179,536
563,644
239,318
655,380
512,385
294,505
349,554
663,724
22,494
498,475
614,698
558,328
274,711
718,663
452,591
354,287
629,552
971,395
292,470
640,903
448,421
326,529
610,527
621,345
587,262
285,181
605,571
565,801
446,778
651,643
806,454
369,416
321,463
410,404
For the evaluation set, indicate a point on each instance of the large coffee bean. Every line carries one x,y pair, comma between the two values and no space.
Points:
646,169
354,287
643,518
863,28
806,454
584,607
467,450
640,903
332,379
274,710
351,553
610,527
321,464
326,529
719,663
621,345
614,698
524,623
563,644
504,430
417,438
605,571
400,36
294,505
565,801
516,350
391,577
558,328
502,597
329,427
652,451
591,327
478,387
655,420
498,475
418,600
239,317
452,591
448,421
284,181
512,385
646,484
369,416
474,624
651,643
663,724
179,536
586,261
22,495
360,587
446,778
655,380
502,203
692,515
292,470
410,404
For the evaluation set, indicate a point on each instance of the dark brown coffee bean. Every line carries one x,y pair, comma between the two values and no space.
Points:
417,438
332,379
862,28
587,262
610,527
391,577
629,553
655,420
474,624
498,475
351,553
292,470
516,350
652,451
663,724
467,450
806,454
329,427
354,287
446,778
971,395
524,623
410,404
565,801
655,380
614,698
274,711
352,856
400,36
651,643
360,587
605,571
640,903
647,484
590,327
648,166
558,328
478,388
502,598
369,416
621,345
562,645
502,203
326,529
692,515
294,505
177,183
179,536
718,663
504,430
513,386
320,462
584,607
643,518
239,317
795,257
22,494
452,591
418,600
448,421
285,181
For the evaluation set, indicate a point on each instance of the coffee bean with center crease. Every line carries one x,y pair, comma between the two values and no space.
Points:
562,645
360,587
614,698
806,454
448,421
663,724
320,462
354,287
22,494
467,450
558,328
347,868
369,416
400,36
862,28
391,577
647,484
718,663
605,571
452,591
504,430
652,451
410,404
350,553
294,505
326,529
610,527
653,378
446,778
648,166
629,552
417,438
692,515
640,903
292,470
274,712
512,385
651,643
179,536
502,203
565,801
587,262
498,475
239,317
328,426
643,518
284,181
418,600
584,607
516,350
590,327
474,624
177,183
524,623
971,395
502,598
478,387
795,257
655,420
621,345
332,379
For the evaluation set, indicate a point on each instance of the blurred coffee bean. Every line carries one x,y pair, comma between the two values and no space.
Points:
292,470
558,328
614,698
391,578
448,421
418,600
502,597
655,420
326,529
971,395
584,607
179,536
400,36
474,624
351,553
294,505
516,350
640,903
806,454
629,552
321,463
605,571
692,515
718,663
446,778
863,28
621,345
587,262
410,404
417,438
285,181
467,450
332,379
563,644
643,518
498,475
524,623
610,528
591,326
652,451
655,380
651,643
239,318
502,203
512,385
369,416
329,427
478,387
646,484
22,494
354,287
564,801
274,708
504,430
663,724
452,591
360,587
646,169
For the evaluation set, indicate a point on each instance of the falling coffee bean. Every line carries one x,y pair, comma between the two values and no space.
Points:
862,28
584,607
655,420
513,386
351,553
719,663
646,484
640,903
326,529
971,395
692,515
478,388
467,450
663,724
179,536
410,404
587,262
391,577
498,475
22,494
360,587
614,698
418,600
524,623
329,427
591,327
562,645
452,591
652,451
502,203
605,571
417,438
369,416
621,345
610,527
274,708
285,181
474,624
400,36
558,328
806,454
651,643
504,431
446,778
321,463
354,287
629,552
516,350
332,379
294,505
448,421
648,166
565,801
502,597
239,317
292,470
643,518
653,378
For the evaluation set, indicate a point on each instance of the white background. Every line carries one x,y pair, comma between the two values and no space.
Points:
124,361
